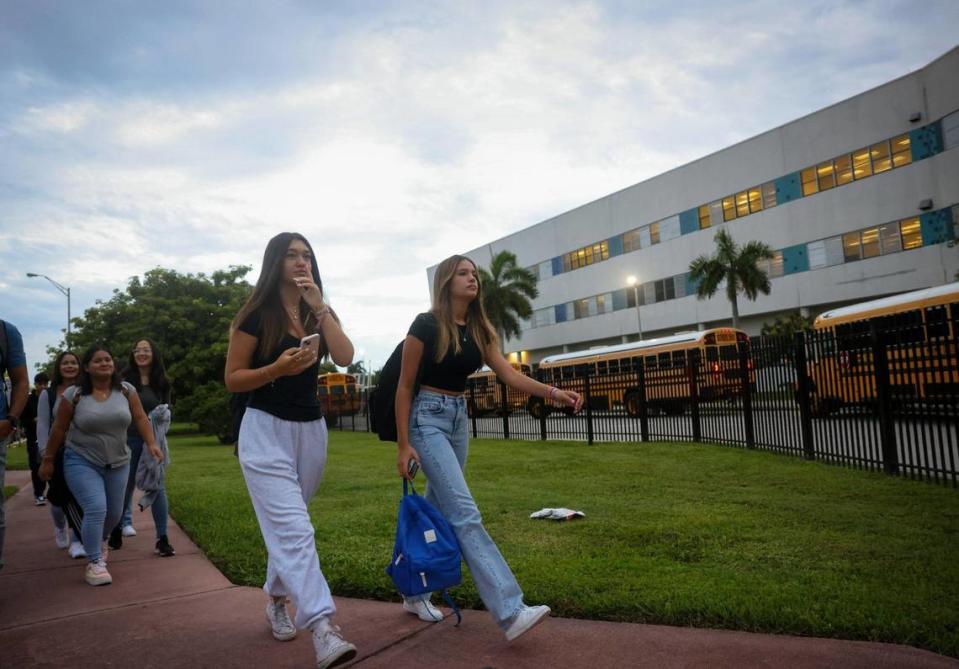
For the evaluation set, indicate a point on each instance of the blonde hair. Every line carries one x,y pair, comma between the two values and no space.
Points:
477,324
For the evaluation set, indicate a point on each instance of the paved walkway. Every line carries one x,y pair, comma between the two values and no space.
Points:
182,612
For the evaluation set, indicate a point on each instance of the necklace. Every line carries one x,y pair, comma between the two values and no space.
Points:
294,312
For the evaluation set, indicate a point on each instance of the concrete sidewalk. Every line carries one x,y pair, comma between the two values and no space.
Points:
182,612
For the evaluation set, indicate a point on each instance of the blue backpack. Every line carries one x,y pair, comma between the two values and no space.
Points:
426,555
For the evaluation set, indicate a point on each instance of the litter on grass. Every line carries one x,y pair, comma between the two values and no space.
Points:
557,514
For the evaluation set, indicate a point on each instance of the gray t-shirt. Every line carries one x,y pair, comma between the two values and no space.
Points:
99,429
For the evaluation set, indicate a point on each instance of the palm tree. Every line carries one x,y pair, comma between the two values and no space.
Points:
737,266
507,290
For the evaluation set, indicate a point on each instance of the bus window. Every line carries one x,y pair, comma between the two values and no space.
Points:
728,353
613,366
712,354
626,365
902,328
679,358
852,336
650,362
937,322
601,367
568,372
663,361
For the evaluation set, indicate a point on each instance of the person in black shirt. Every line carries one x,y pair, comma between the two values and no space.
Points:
282,441
29,421
442,348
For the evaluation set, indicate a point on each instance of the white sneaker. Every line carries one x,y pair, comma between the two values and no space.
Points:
62,537
39,501
527,618
76,550
97,573
279,618
128,531
331,648
423,609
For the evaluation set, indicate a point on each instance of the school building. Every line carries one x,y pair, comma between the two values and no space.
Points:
859,200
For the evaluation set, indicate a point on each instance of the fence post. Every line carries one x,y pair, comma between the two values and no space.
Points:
643,408
747,396
472,403
504,408
589,410
887,431
692,370
542,414
802,394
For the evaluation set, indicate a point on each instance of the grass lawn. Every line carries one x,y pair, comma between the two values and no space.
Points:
9,491
675,533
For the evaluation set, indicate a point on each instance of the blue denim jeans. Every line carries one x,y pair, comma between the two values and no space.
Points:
159,507
439,431
99,492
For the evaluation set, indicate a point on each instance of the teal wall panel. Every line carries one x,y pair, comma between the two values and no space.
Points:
619,299
560,312
689,221
691,286
557,265
615,246
795,259
936,227
788,188
925,141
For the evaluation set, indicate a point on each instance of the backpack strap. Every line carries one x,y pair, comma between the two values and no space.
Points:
450,603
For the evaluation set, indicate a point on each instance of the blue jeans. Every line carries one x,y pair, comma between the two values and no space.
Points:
159,507
439,431
99,492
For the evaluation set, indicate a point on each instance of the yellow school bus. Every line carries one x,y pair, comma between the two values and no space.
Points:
918,331
339,395
485,396
667,363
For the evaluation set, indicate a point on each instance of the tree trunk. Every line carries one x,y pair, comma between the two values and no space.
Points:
735,304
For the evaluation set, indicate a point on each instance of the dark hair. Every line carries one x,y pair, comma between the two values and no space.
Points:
477,322
85,382
159,381
41,377
57,379
266,296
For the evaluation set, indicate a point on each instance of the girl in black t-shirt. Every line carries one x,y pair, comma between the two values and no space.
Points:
282,441
443,347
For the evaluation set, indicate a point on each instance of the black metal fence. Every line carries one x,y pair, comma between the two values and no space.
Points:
872,396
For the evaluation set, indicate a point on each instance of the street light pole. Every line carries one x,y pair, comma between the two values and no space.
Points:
63,289
634,282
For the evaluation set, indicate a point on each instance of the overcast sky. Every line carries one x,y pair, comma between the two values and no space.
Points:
392,134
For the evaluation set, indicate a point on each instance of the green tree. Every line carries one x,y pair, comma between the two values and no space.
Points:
787,325
356,368
737,266
507,291
188,315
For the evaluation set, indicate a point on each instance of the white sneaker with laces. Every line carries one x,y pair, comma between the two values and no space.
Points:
61,536
423,609
76,550
39,501
527,618
279,619
128,531
331,648
97,573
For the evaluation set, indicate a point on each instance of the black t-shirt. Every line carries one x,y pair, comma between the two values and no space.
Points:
288,397
451,372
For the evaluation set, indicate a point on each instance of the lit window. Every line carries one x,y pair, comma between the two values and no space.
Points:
850,246
742,204
901,151
809,181
603,250
729,208
654,233
769,195
870,243
843,169
826,175
567,262
889,241
704,217
881,160
581,308
631,241
861,165
911,233
755,200
776,265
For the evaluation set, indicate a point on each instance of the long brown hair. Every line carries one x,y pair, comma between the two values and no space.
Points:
267,301
477,324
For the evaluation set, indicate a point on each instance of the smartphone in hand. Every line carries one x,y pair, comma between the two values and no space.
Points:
412,467
311,343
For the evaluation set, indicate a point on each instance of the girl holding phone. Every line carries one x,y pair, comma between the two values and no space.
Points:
445,345
283,437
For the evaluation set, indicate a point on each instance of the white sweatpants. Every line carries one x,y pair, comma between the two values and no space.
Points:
283,463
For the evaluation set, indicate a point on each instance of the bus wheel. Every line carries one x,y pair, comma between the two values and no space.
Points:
631,403
537,408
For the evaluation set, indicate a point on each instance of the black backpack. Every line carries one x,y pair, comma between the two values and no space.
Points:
383,397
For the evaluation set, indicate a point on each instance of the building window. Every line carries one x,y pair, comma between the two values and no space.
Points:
769,195
679,282
816,252
776,265
631,241
586,256
654,233
716,212
704,217
742,204
843,169
901,151
729,208
850,247
911,233
808,177
755,200
826,175
861,165
889,240
881,157
870,243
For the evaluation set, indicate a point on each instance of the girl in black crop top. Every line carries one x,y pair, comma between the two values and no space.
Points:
282,440
443,347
